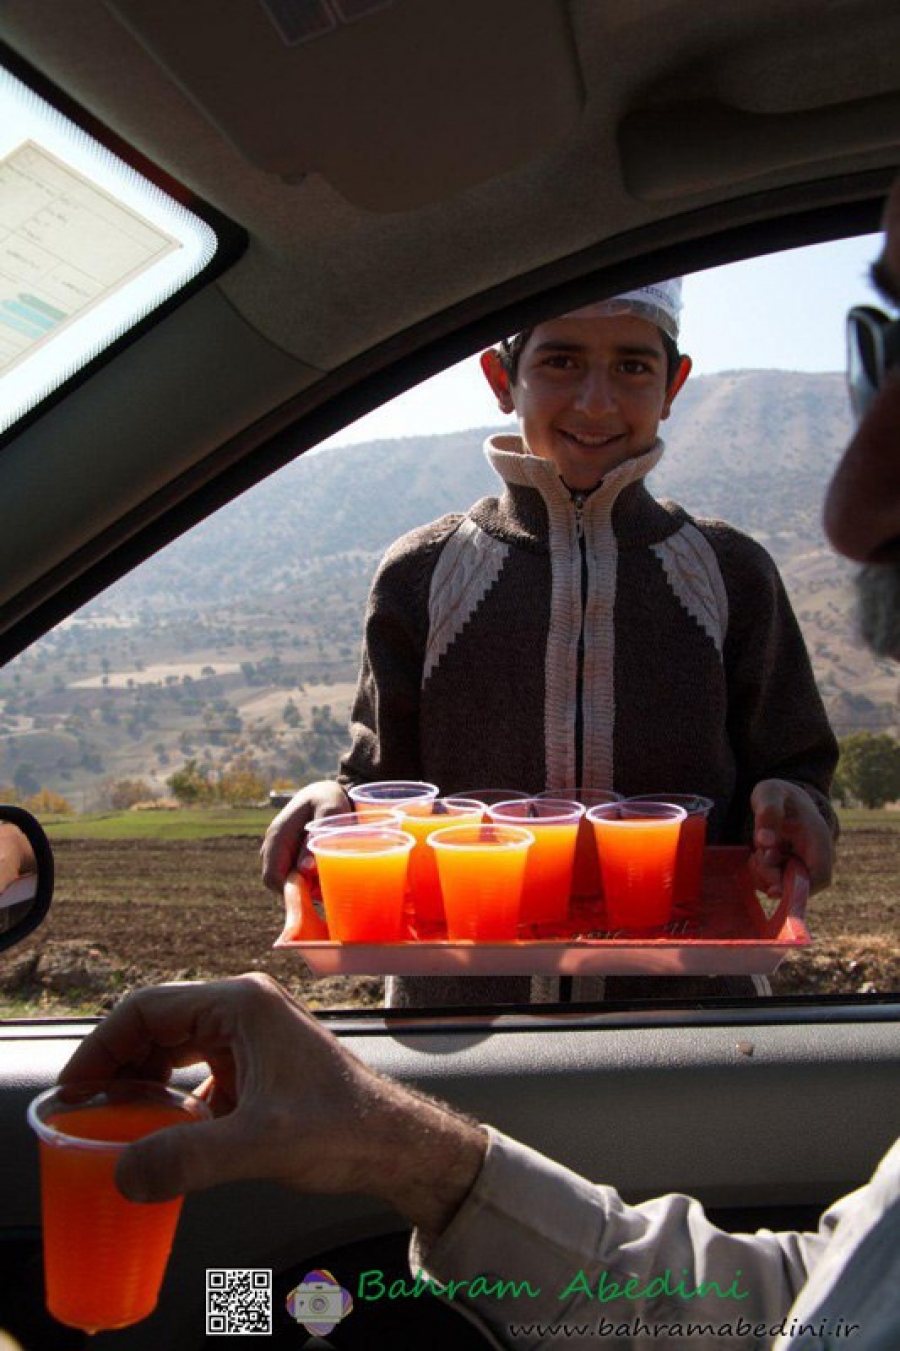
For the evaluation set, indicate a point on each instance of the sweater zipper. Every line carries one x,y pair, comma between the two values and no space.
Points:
578,500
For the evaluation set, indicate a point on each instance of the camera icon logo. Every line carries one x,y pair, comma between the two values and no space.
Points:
319,1302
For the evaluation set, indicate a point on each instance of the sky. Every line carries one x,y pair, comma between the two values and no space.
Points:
785,311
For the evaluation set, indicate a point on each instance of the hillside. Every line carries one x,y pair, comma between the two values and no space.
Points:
243,636
754,447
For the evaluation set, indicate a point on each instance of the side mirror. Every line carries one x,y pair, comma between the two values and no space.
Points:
26,875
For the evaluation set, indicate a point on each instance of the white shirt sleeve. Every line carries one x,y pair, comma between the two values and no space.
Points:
538,1253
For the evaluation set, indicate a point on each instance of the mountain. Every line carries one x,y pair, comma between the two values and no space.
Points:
244,634
753,447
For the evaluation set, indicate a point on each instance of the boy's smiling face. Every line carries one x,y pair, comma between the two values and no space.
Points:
589,392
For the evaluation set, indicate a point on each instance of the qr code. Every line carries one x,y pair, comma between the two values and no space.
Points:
239,1302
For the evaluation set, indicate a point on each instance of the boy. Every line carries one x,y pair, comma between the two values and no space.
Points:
575,631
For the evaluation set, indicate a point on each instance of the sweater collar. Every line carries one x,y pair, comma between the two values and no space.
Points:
621,501
517,467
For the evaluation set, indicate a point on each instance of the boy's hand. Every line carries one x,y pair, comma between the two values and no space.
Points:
786,823
290,1103
282,845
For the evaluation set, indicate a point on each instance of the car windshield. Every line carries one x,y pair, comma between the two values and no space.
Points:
150,729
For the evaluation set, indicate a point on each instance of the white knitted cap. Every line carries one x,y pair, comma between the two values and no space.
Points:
660,303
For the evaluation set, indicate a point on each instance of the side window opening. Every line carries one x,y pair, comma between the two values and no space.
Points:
149,729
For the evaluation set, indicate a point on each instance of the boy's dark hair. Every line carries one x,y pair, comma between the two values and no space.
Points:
510,350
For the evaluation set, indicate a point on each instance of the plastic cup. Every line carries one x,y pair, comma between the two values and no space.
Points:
353,821
104,1256
389,793
420,819
638,845
362,876
481,868
547,887
691,844
586,879
488,797
304,912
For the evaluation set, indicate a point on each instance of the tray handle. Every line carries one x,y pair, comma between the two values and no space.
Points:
302,921
794,898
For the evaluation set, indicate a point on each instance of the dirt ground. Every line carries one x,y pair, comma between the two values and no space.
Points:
128,913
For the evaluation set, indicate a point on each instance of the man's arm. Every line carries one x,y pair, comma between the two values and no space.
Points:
784,748
290,1104
385,731
384,727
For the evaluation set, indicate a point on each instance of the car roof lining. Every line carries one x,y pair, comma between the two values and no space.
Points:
711,144
315,255
312,89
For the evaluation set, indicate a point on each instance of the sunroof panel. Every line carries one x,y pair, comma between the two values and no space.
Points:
88,247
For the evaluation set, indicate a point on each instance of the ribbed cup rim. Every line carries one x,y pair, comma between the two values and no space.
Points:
350,821
515,837
90,1094
392,790
571,812
667,811
488,796
331,841
693,803
441,806
603,795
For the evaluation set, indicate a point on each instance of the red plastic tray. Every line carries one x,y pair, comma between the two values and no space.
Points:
730,934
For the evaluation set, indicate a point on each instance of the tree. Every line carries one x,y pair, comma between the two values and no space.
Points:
870,768
242,783
124,793
47,803
190,784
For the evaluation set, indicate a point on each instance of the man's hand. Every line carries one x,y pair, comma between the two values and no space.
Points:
290,1103
282,845
787,823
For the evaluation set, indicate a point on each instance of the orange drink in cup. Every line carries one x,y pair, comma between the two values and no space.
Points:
586,880
389,793
362,875
420,819
638,844
104,1256
481,868
303,911
547,887
377,817
691,846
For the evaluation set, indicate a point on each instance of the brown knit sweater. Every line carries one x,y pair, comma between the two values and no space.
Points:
542,640
693,675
